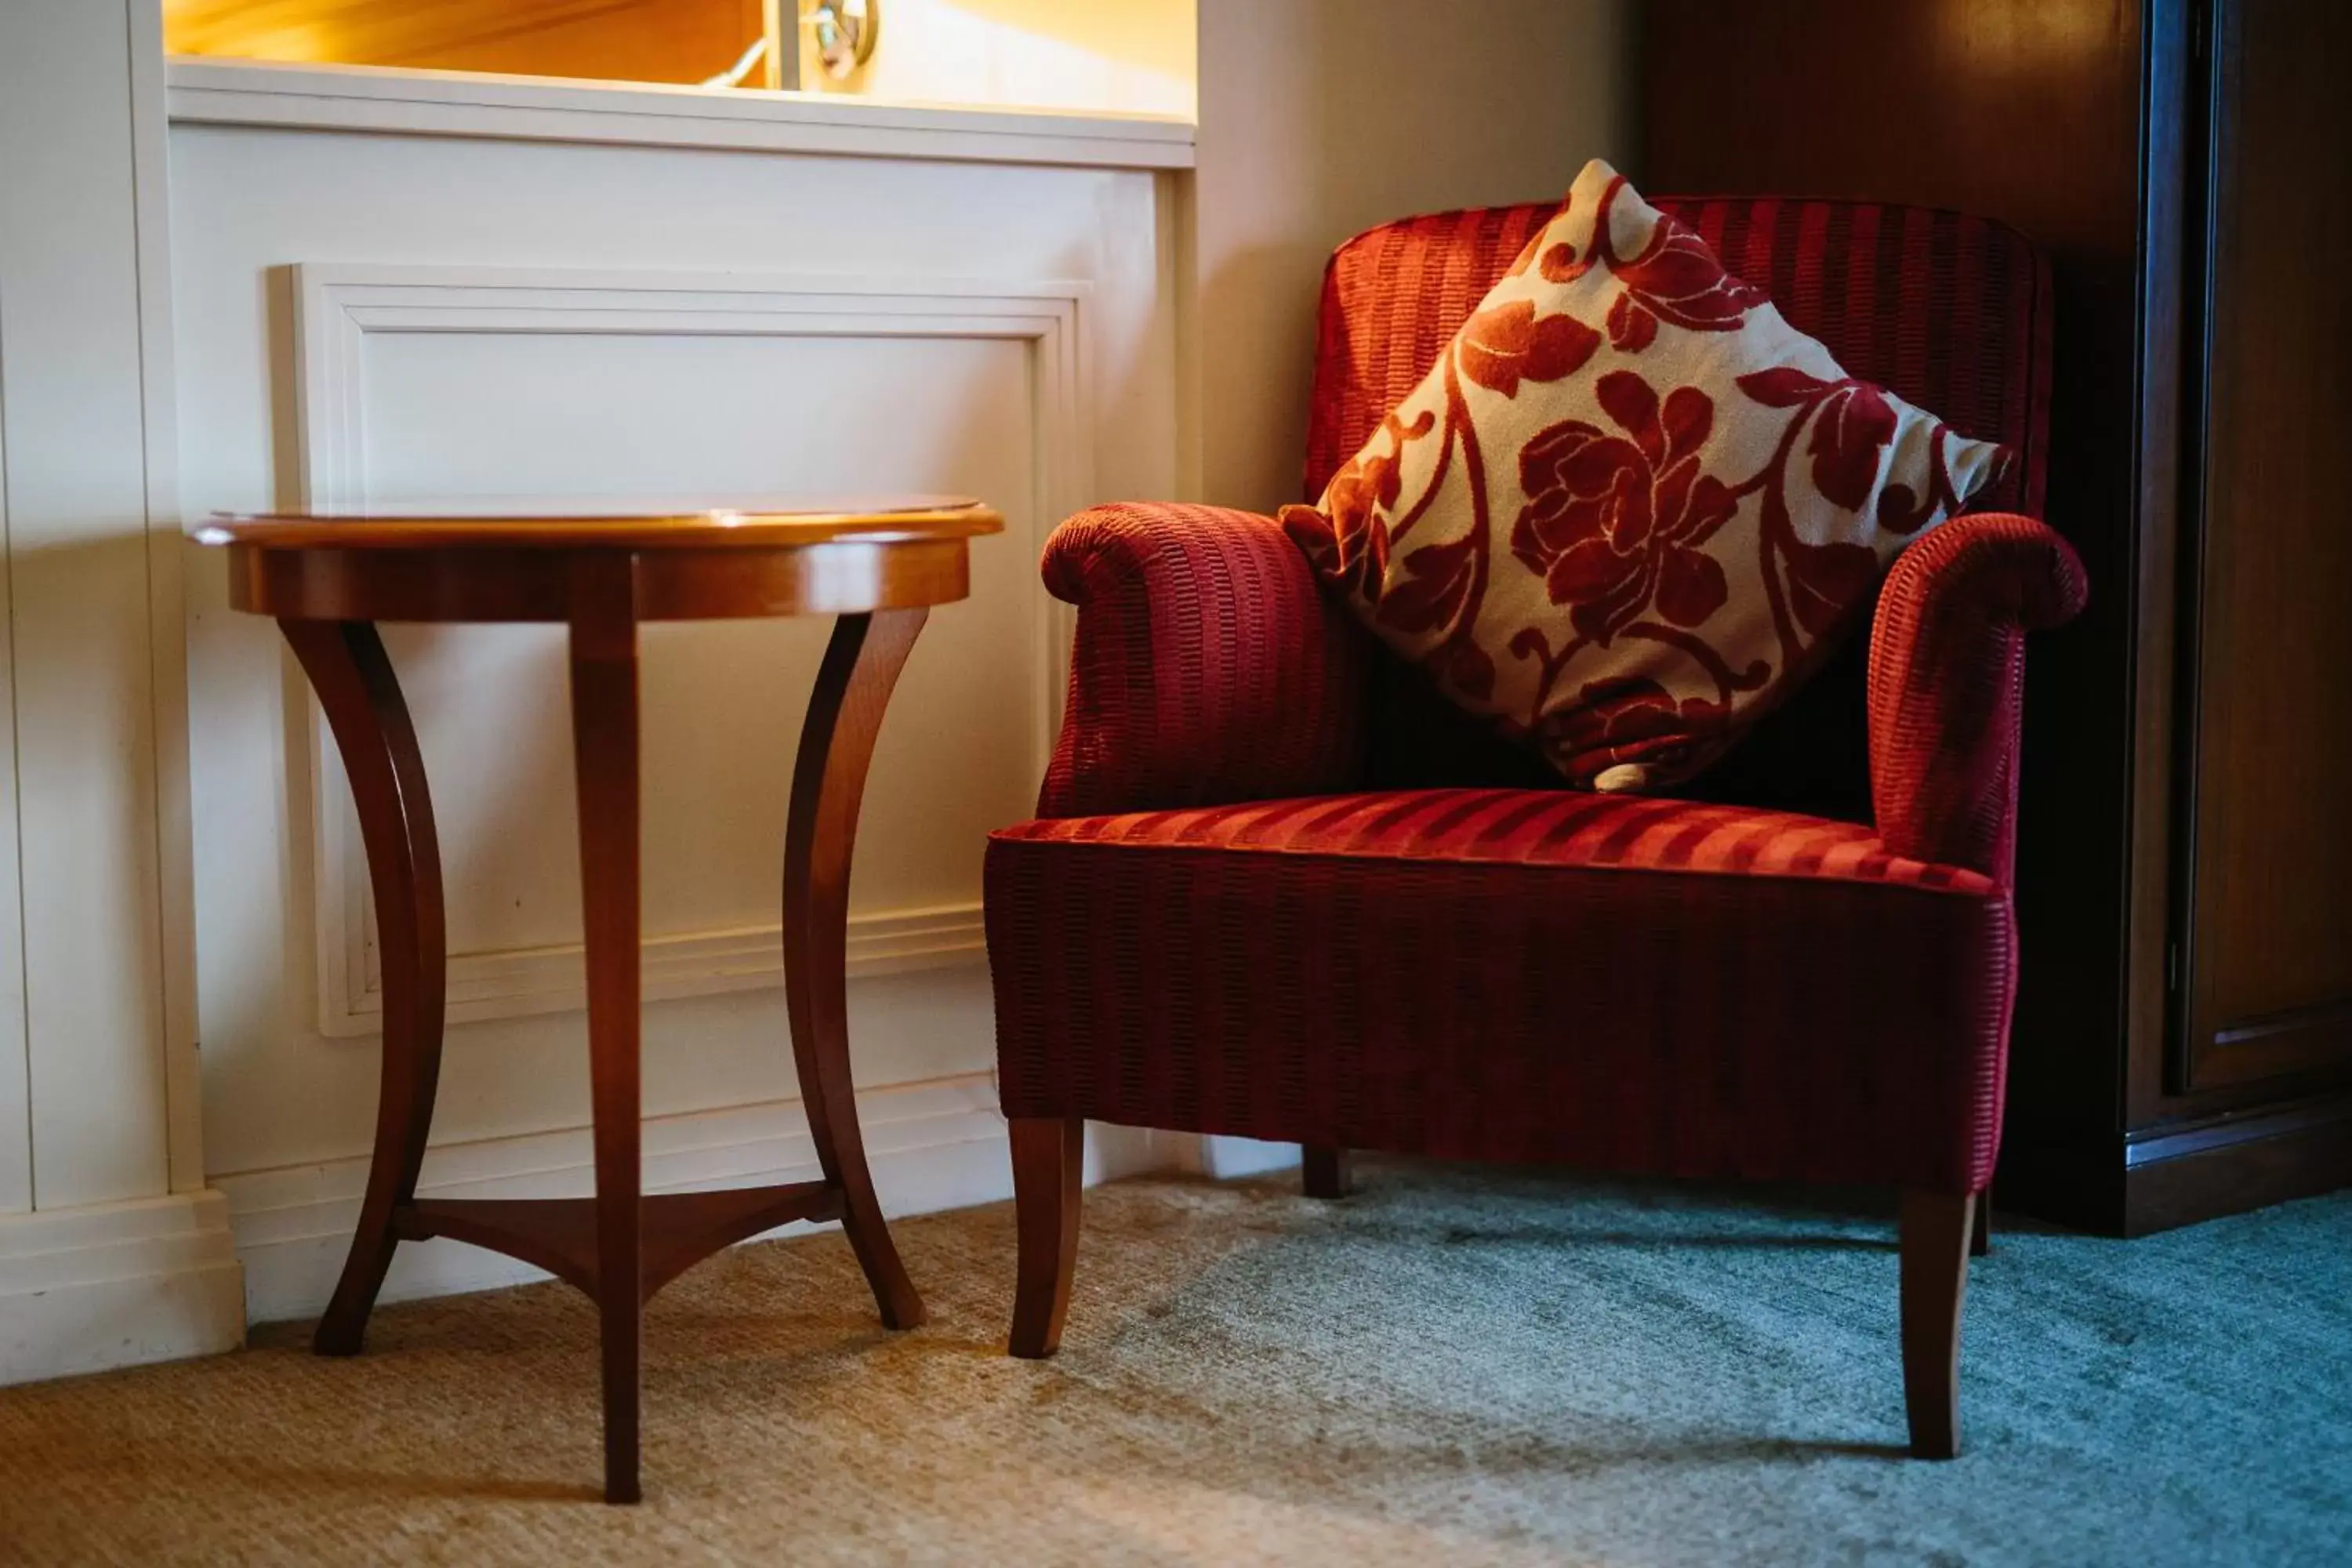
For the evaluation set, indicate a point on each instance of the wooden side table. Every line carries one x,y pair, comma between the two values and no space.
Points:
328,578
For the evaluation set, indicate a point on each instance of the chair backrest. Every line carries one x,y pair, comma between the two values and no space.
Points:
1950,313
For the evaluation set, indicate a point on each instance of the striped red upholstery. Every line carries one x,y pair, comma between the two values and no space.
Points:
1613,982
1223,922
1208,665
1948,683
1562,828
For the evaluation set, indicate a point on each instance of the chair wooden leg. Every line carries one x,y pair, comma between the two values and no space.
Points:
1048,1158
1325,1174
1936,1228
1980,1229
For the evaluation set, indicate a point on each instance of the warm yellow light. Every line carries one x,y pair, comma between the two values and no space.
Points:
624,40
253,32
2026,35
1116,56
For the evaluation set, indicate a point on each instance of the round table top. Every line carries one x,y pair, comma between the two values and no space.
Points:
603,522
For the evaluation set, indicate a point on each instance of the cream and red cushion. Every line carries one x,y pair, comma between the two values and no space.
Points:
1630,508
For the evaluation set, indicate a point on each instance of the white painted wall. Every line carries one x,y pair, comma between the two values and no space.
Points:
1128,56
109,1250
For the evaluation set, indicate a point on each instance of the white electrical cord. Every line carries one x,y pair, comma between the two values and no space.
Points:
734,75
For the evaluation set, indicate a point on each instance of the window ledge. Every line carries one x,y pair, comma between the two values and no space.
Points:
549,109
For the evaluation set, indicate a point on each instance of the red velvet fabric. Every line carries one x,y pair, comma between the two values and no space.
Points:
1208,665
1948,683
1603,981
1564,829
1216,924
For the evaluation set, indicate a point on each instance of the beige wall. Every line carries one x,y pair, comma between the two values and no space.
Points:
1321,118
1121,56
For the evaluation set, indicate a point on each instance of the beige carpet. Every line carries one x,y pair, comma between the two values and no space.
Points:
1453,1366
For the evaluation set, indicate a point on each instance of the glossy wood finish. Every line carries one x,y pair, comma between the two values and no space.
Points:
690,565
606,765
2269,948
1048,1164
754,522
1935,1266
2150,1084
621,1245
559,1234
470,583
853,687
2183,1174
347,668
1325,1173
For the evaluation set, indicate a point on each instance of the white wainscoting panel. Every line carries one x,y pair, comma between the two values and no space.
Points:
419,383
113,1284
86,1043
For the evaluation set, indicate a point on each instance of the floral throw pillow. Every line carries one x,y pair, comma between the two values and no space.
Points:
1629,509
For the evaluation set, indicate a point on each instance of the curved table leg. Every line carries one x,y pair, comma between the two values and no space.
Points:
604,756
354,682
861,666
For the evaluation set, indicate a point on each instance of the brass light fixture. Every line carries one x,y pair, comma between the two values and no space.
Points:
837,39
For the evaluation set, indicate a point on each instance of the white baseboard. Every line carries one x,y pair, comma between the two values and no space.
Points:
115,1284
1222,1157
933,1145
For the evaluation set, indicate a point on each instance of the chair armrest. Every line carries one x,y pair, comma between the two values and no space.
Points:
1209,667
1946,684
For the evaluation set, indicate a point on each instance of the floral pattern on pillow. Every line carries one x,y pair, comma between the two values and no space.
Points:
1629,509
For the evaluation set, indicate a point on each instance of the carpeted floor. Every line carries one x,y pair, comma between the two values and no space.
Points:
1453,1366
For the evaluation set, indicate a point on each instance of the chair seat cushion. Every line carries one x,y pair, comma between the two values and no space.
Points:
1618,981
1549,827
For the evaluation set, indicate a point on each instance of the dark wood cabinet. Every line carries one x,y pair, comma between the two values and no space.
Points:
2268,936
2183,1042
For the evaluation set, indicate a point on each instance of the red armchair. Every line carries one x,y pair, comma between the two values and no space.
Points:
1276,888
